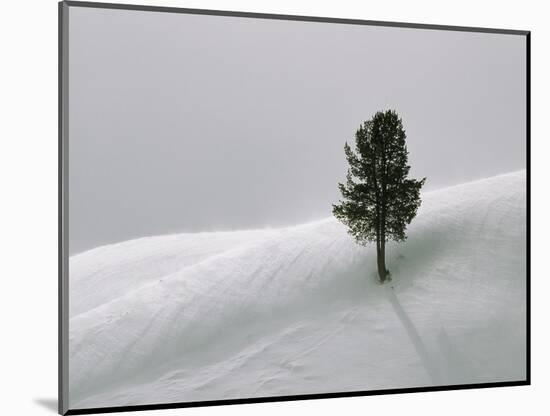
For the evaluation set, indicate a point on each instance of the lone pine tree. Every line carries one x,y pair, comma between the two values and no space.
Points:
378,200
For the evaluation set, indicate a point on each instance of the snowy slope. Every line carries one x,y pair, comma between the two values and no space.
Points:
297,310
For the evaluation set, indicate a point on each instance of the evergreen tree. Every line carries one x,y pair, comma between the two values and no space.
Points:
378,200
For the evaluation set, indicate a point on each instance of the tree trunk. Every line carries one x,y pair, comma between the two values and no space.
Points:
383,256
381,259
381,237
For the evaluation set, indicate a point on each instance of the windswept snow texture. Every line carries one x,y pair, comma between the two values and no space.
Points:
290,311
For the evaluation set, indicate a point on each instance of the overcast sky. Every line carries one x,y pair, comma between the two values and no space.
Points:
184,123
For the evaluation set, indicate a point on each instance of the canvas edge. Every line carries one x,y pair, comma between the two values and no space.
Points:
301,18
528,202
270,399
63,201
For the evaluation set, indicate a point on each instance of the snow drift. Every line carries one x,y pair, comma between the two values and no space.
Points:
298,310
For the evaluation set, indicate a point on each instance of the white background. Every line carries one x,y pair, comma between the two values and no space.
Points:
28,220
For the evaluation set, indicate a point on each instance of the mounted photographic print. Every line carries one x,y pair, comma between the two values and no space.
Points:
262,207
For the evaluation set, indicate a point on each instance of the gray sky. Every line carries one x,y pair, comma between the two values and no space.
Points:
182,123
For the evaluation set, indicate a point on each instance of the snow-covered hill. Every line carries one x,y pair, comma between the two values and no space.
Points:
298,310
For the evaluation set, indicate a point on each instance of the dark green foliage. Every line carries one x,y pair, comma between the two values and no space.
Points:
378,200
